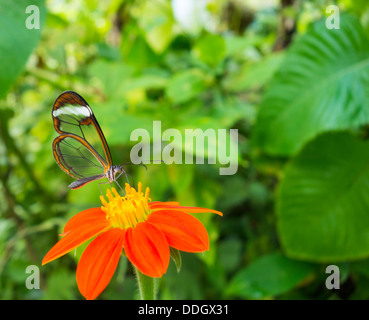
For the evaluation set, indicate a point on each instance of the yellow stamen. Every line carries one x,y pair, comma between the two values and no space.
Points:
127,211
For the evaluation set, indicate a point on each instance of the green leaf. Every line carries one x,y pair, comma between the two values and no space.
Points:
322,85
16,40
230,253
157,21
61,285
254,76
211,49
120,134
135,50
236,45
185,85
269,276
180,176
323,201
145,81
110,76
176,256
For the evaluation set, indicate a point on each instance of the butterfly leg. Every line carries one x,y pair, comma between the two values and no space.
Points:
125,173
139,164
120,186
100,187
111,185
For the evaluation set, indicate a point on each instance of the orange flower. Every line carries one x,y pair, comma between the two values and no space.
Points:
144,229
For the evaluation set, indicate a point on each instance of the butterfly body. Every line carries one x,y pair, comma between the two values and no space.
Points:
110,174
81,149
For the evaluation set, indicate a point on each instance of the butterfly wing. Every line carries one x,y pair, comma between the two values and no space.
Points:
76,157
80,149
72,114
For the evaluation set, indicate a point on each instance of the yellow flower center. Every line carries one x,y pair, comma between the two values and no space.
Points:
127,211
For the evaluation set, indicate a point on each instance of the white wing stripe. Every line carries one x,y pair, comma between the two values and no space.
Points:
78,111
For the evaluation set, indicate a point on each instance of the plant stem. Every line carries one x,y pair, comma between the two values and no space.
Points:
146,286
11,146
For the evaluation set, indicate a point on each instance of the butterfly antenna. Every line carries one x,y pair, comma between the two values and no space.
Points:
127,175
133,182
136,164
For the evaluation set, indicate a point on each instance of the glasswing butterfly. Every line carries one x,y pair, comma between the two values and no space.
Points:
81,149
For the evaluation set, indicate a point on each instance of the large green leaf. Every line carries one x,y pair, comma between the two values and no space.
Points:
323,84
16,40
269,276
323,201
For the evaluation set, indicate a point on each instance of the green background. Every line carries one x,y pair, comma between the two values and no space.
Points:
297,91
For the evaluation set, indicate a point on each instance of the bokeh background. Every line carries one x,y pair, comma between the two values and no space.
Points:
296,90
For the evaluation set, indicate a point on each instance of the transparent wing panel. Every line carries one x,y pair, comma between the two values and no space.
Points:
77,158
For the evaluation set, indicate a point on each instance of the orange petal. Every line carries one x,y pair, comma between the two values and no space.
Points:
85,218
183,231
163,204
185,209
82,227
147,248
98,262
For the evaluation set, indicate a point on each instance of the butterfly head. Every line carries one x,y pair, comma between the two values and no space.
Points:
115,170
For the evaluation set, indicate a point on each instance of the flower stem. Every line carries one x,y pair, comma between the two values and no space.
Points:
146,286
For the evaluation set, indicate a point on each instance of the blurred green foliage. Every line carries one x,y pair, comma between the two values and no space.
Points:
296,91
